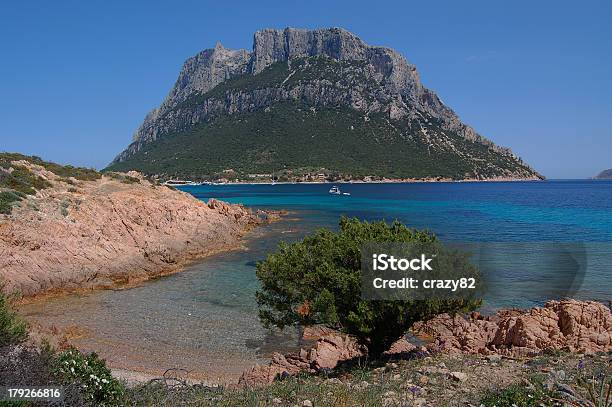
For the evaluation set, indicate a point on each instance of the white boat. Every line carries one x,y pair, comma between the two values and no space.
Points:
336,191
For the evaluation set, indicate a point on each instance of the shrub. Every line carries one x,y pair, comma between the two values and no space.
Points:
12,327
7,199
64,207
23,180
98,385
318,281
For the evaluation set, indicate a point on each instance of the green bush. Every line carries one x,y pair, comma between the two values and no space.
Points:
23,180
7,199
97,383
12,327
318,281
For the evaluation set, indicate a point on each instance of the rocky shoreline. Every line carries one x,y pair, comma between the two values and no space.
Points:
114,231
573,326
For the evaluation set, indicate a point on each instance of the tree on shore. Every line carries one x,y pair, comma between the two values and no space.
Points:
318,281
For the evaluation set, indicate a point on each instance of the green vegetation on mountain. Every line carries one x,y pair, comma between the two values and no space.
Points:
338,74
293,137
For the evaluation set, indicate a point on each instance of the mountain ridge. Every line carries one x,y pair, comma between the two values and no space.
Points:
368,79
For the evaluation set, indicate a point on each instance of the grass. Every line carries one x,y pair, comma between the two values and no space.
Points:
290,391
125,179
521,395
65,171
22,180
12,327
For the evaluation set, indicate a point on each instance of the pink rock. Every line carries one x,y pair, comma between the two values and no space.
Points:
95,234
325,354
585,326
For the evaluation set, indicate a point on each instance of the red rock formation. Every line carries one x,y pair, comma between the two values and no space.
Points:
330,349
95,234
569,324
572,325
325,354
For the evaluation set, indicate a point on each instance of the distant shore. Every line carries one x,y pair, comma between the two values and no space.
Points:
384,181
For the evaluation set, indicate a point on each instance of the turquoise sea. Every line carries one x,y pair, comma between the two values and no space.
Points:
205,319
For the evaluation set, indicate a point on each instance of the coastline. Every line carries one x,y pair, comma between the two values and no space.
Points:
384,181
80,235
136,373
119,284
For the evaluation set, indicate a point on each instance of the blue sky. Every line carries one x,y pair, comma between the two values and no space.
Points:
78,77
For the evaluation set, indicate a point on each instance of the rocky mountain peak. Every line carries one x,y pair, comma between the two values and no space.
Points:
270,45
389,69
320,69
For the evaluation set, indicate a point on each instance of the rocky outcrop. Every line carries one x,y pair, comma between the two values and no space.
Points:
200,74
330,349
325,354
571,325
87,234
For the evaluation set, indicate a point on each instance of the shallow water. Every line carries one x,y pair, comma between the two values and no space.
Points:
205,319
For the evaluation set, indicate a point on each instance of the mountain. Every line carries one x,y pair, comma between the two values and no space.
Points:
309,103
605,174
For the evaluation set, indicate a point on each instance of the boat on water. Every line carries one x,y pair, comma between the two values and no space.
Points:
336,191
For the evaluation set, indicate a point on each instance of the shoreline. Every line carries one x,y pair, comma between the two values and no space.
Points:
120,284
185,260
106,233
386,181
83,337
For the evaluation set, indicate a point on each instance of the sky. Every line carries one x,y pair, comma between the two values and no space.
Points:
78,77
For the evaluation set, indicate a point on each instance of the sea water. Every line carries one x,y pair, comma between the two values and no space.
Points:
205,318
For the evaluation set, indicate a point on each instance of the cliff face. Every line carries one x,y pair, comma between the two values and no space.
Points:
76,234
320,69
